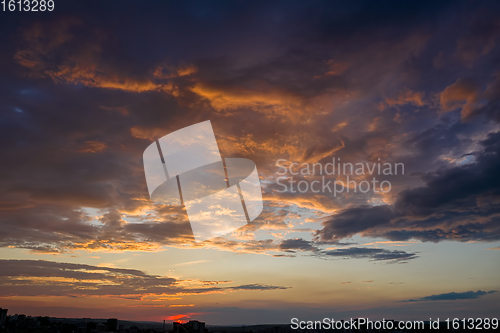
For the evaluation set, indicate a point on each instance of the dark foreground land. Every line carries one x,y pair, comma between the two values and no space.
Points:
26,324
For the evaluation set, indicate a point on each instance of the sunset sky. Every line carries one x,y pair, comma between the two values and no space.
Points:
86,88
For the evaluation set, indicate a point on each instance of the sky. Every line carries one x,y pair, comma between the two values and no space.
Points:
87,87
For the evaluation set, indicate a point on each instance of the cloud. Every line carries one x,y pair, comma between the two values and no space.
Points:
458,203
404,82
47,278
93,147
318,152
453,296
464,94
353,220
406,97
66,52
480,40
66,229
296,244
257,287
370,253
94,96
375,254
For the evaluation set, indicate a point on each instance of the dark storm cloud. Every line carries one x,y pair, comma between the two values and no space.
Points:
355,220
453,296
459,203
40,277
457,187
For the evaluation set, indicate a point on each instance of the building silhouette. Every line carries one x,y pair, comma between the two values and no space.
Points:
112,324
193,326
3,316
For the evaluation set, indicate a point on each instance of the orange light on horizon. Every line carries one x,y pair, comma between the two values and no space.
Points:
178,317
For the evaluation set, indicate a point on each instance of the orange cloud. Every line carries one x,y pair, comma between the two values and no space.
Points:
49,51
147,133
407,97
93,147
261,96
168,72
461,94
269,99
177,317
105,245
312,201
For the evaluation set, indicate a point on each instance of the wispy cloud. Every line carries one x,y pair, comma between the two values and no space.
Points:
370,253
453,296
191,262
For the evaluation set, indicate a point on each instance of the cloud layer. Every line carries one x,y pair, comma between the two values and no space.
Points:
48,278
453,296
83,97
